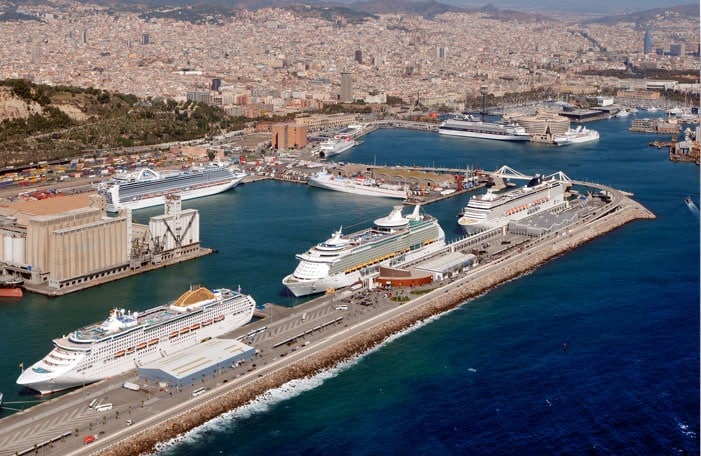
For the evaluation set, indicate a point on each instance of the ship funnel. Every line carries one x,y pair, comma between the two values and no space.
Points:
415,214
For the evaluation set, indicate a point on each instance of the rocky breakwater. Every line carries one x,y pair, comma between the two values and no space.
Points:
146,441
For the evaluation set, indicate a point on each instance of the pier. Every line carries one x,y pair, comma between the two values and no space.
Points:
294,343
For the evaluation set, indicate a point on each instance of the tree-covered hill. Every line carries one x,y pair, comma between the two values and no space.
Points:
40,122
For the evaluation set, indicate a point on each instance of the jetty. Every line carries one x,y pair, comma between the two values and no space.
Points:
297,342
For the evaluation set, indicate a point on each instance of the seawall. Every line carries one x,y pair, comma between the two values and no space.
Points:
146,441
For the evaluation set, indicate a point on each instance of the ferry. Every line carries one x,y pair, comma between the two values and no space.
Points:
579,135
492,210
147,187
467,126
127,339
341,260
332,147
357,185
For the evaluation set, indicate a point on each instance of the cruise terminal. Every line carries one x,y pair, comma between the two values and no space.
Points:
285,343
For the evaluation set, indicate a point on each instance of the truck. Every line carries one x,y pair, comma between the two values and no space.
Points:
89,439
131,386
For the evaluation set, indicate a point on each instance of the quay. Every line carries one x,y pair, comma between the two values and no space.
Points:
296,342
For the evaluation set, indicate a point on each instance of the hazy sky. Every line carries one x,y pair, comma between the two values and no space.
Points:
588,6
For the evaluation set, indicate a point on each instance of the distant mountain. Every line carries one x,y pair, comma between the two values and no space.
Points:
199,11
643,17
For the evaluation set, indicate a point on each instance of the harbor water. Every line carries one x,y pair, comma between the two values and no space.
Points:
595,352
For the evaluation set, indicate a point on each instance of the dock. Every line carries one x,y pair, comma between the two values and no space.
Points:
295,342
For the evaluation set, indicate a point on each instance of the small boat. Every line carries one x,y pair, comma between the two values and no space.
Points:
152,342
141,346
219,318
692,207
10,286
119,354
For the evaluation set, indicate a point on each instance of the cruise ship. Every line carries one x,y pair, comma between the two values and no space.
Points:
126,340
358,185
332,147
472,128
579,135
342,260
492,210
146,187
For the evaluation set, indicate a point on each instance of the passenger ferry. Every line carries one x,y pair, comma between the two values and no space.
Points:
579,135
344,260
492,210
146,187
126,340
357,185
332,147
470,127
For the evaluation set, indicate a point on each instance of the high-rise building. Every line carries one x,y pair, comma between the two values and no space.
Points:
346,88
216,84
84,36
359,56
647,42
145,38
677,50
441,52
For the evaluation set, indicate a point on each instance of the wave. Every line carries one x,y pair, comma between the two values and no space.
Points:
270,398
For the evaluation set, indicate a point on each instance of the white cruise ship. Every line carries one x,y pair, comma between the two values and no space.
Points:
358,185
579,135
471,128
491,210
146,187
343,260
126,340
332,147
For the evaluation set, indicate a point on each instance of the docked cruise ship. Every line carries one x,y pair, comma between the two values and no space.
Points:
343,260
146,187
332,147
359,185
579,135
126,340
472,128
492,210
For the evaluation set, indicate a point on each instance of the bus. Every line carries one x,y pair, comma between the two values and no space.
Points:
92,403
199,391
103,407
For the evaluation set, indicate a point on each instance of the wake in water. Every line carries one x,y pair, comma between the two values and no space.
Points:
692,207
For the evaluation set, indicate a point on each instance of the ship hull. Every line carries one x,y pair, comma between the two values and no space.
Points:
346,185
340,280
554,198
112,357
480,135
338,148
185,194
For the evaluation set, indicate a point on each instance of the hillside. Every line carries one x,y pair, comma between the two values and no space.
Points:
39,122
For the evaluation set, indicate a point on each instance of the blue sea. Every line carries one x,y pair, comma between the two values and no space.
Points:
595,352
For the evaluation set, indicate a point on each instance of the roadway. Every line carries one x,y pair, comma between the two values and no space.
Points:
70,416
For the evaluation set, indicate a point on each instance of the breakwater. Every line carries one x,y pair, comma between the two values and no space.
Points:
146,441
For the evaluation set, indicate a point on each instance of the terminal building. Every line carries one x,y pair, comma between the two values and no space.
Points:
186,367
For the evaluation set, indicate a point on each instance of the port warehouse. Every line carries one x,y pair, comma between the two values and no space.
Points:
191,365
81,245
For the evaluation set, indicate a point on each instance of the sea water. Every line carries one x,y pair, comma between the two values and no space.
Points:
594,352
